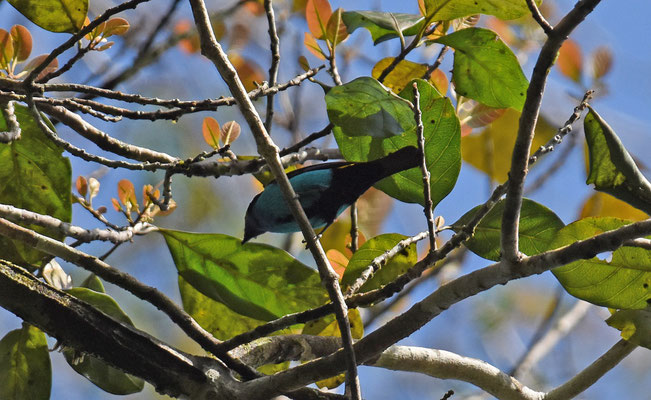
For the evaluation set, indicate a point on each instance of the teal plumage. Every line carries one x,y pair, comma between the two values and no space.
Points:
324,191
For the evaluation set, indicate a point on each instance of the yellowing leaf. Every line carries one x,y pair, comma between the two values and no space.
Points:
601,204
570,60
211,132
317,14
338,261
401,75
490,150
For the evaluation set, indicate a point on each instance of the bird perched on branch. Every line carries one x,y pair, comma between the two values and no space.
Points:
324,191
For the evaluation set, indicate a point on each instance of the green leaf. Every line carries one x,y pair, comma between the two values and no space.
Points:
93,283
635,326
108,378
213,316
538,227
254,280
25,369
485,69
383,25
38,178
442,148
622,282
54,15
612,169
373,248
364,107
446,10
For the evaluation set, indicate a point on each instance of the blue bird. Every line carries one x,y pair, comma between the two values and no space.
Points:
324,191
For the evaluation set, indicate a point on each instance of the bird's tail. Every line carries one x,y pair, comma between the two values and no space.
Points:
400,160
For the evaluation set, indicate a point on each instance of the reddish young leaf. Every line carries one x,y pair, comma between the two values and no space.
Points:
317,14
82,186
255,7
313,46
570,61
36,61
116,26
22,41
602,62
248,71
211,132
127,194
230,131
116,204
170,209
105,46
146,189
440,81
478,114
338,261
190,44
6,49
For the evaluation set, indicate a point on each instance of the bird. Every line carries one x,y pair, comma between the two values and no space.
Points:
324,191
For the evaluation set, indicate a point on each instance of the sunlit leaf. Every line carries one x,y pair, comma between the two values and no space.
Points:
363,107
54,15
538,227
25,368
445,10
211,132
376,247
485,69
442,135
338,261
6,49
255,280
477,115
612,169
36,61
383,25
403,73
22,41
116,26
40,180
305,65
317,14
621,282
570,60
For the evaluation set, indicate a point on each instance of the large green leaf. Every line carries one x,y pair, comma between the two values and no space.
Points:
383,25
108,378
54,15
376,247
445,10
442,148
364,107
25,369
622,282
538,227
612,169
213,316
254,280
485,69
35,176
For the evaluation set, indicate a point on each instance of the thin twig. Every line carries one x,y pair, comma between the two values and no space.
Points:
275,61
538,17
436,64
427,190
